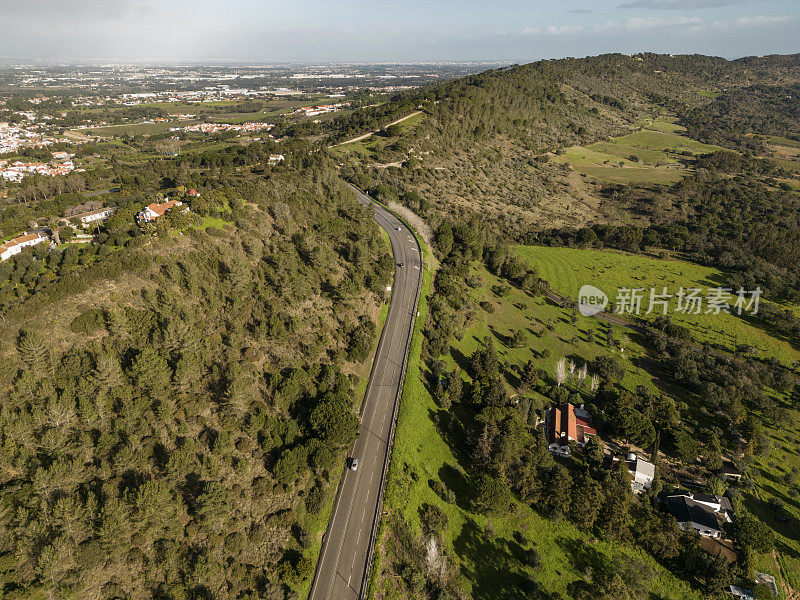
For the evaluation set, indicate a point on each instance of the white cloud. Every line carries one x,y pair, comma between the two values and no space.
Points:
677,4
647,23
643,24
754,21
634,24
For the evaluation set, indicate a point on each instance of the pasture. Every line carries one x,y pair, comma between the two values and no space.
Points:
493,566
567,269
655,154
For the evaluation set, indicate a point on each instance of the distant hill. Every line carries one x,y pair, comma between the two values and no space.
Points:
485,143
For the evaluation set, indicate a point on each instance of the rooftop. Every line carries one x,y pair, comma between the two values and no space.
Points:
686,510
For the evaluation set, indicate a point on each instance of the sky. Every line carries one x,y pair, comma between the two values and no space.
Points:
326,31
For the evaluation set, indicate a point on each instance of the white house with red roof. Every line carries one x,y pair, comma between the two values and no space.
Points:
564,424
153,211
15,245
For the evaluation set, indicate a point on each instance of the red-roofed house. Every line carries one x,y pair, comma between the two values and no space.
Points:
194,192
156,210
15,246
564,424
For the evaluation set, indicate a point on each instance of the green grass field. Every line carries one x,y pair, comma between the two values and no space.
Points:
215,222
789,165
567,269
551,333
491,567
209,110
136,128
781,141
658,149
709,93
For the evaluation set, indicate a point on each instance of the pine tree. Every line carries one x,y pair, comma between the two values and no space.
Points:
586,498
615,515
34,351
107,373
150,372
187,372
118,324
795,397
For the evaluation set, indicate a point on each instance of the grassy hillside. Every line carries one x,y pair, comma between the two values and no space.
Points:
484,145
567,269
520,552
659,153
430,466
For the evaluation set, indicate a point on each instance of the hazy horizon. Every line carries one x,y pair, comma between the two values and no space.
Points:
360,31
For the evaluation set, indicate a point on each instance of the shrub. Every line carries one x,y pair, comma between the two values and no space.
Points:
315,499
433,519
88,321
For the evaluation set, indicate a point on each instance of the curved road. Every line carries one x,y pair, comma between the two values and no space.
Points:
343,565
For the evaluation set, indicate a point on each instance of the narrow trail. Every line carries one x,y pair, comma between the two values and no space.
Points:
371,133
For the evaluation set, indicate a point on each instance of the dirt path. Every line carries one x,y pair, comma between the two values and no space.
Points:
788,590
371,133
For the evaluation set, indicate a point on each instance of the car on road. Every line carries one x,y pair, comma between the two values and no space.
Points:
401,264
353,464
398,229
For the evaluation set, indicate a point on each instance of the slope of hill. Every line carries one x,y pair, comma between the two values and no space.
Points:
652,165
176,400
484,146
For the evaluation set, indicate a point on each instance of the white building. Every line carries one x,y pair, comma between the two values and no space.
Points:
642,472
87,219
692,515
156,210
721,505
14,246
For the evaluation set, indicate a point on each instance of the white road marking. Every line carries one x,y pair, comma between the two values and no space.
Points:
375,414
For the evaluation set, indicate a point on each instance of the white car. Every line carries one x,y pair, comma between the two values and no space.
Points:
398,229
354,464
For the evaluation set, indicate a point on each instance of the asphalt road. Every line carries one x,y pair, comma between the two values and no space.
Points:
343,563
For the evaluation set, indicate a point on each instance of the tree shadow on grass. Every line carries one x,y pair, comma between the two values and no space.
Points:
456,482
786,550
582,557
512,377
505,340
461,360
759,323
492,566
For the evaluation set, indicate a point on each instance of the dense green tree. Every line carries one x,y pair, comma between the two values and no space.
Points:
489,494
587,497
615,518
335,422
